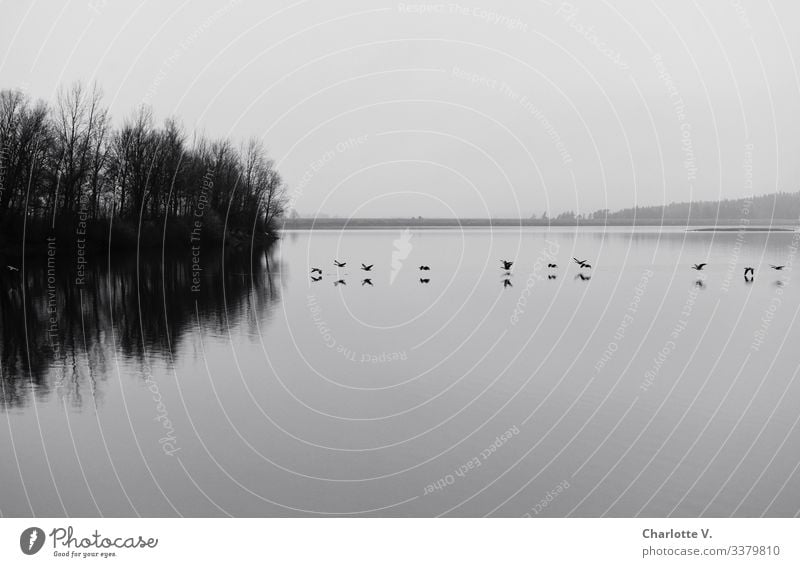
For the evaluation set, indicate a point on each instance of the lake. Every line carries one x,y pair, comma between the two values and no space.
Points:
240,386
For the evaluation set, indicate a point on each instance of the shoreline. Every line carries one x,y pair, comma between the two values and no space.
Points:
704,225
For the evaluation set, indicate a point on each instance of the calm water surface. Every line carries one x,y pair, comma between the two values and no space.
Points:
640,391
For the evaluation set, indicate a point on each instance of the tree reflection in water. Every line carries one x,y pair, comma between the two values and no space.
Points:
55,334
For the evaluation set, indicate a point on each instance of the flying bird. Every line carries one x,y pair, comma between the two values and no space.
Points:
507,283
366,281
699,267
582,263
424,280
700,283
749,270
318,278
552,265
425,268
582,277
316,270
339,264
506,264
774,267
339,282
551,276
367,268
12,268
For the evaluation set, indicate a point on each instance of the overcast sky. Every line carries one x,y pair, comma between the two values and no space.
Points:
379,108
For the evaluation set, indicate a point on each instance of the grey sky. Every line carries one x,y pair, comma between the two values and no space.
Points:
377,108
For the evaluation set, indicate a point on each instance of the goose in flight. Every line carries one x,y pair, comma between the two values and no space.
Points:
425,268
699,267
339,264
316,271
774,267
316,279
367,268
339,282
506,264
366,281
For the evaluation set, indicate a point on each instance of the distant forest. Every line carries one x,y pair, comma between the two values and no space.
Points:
776,208
764,208
66,163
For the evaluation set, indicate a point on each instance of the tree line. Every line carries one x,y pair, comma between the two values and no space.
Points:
775,206
67,159
781,206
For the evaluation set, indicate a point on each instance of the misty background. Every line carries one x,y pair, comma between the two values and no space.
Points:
503,109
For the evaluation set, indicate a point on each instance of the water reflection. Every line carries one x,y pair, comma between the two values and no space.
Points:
636,385
56,335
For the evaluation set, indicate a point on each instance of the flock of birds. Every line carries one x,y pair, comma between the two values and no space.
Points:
749,272
505,266
316,274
